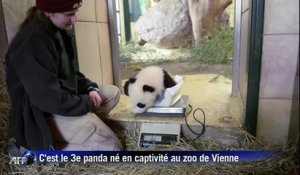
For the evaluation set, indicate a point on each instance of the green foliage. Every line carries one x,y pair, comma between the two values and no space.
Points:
149,54
127,50
217,49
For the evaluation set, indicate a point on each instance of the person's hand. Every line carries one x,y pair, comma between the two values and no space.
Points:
96,100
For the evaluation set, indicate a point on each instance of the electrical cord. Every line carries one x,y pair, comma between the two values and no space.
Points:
201,123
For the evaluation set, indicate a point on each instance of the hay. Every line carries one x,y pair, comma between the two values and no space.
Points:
285,163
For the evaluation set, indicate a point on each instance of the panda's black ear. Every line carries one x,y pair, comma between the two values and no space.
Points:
132,80
168,80
126,85
147,88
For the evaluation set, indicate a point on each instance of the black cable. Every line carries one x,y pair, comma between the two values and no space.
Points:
202,123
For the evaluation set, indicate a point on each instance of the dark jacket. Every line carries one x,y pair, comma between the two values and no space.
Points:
42,79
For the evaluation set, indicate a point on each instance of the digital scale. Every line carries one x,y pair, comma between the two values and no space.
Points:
162,133
159,134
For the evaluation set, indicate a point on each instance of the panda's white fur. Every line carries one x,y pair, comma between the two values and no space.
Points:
146,86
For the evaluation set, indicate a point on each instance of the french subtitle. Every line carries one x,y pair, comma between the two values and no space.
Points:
143,157
160,158
149,158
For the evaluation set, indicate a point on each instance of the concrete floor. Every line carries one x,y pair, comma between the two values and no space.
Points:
211,92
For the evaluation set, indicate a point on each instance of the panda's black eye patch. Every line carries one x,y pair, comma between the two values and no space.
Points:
148,88
141,105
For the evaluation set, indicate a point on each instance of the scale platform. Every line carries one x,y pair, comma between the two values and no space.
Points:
177,110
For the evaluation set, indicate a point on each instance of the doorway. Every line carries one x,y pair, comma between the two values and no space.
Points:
211,79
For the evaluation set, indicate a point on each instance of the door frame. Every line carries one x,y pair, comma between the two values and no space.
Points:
254,57
257,8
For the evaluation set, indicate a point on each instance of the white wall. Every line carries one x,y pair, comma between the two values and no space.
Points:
279,64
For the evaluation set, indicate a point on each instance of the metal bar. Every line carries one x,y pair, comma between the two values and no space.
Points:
114,42
254,70
237,48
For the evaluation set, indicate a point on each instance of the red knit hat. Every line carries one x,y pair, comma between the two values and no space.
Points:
58,5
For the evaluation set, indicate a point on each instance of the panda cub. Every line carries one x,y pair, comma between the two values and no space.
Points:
147,86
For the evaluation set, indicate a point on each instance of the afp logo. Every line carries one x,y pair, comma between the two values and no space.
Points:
28,158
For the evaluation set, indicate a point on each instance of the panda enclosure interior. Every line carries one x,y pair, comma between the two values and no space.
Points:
206,67
213,55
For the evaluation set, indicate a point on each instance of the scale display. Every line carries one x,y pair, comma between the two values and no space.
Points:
152,134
